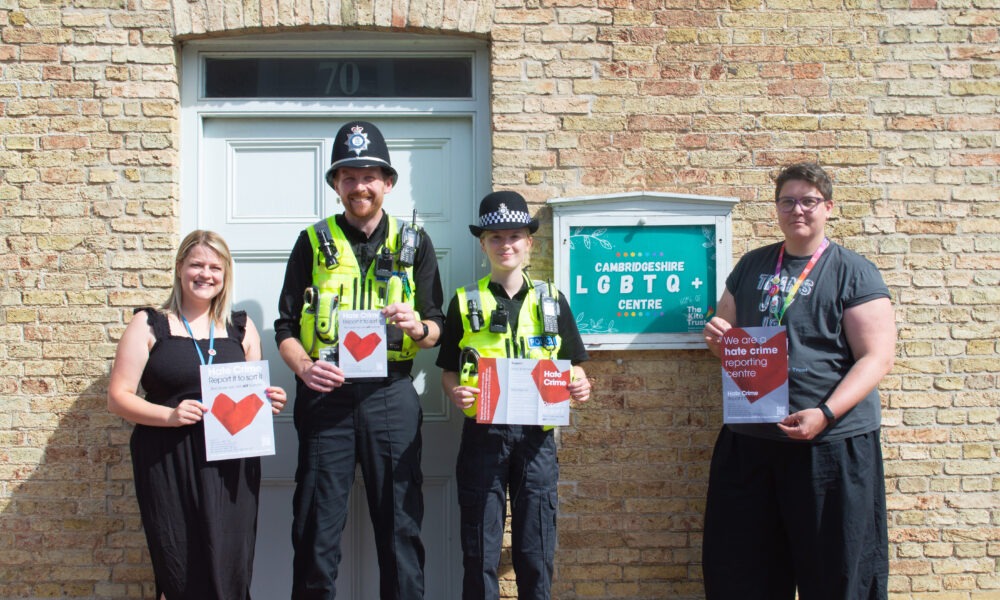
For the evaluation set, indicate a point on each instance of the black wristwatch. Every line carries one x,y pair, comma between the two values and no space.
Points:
830,417
426,332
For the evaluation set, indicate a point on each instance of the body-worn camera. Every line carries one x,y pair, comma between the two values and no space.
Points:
383,265
498,320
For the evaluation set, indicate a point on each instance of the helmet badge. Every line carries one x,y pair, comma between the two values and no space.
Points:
357,141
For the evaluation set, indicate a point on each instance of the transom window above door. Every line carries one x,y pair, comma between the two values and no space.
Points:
344,76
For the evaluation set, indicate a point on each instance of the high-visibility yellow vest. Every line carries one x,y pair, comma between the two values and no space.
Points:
529,341
343,287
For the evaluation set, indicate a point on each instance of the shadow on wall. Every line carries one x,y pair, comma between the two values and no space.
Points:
69,521
69,524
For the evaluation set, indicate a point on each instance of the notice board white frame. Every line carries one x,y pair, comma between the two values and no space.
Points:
640,210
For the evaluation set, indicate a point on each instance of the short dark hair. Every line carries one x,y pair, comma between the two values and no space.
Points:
811,173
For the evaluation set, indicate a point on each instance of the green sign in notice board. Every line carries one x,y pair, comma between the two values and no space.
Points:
642,279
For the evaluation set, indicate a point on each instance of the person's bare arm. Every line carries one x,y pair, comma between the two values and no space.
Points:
402,315
131,357
318,375
871,334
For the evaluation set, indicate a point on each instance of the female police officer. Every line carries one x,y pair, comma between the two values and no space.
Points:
500,317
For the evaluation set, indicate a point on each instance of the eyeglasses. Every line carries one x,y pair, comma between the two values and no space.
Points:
786,204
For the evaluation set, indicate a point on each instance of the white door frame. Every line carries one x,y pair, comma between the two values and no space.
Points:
197,109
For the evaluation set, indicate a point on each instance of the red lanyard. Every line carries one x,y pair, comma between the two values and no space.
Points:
798,282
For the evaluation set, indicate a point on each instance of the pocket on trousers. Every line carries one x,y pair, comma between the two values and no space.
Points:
470,505
550,512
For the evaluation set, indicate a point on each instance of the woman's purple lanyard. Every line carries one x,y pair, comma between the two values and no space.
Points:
211,340
798,282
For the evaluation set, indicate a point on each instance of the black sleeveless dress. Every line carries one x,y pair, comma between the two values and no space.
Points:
200,517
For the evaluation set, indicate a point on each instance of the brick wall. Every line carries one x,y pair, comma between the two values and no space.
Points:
899,98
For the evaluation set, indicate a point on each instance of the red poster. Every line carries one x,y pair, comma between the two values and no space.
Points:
755,375
523,391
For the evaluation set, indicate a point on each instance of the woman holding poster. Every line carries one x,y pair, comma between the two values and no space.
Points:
506,315
799,505
200,517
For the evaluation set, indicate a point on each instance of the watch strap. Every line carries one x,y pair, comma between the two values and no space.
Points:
830,417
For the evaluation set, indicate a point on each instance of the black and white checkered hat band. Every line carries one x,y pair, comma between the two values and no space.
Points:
504,217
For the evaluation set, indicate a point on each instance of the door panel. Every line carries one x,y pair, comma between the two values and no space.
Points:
260,183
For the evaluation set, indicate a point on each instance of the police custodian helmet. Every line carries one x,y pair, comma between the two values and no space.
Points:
359,144
503,210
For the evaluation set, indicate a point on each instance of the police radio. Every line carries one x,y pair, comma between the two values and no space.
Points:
408,242
550,312
550,315
328,248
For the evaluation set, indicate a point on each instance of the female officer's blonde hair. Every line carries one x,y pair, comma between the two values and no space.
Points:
221,306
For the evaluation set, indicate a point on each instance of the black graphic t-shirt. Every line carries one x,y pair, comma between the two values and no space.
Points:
818,353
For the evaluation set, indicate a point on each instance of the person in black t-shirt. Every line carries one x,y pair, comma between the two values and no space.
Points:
800,505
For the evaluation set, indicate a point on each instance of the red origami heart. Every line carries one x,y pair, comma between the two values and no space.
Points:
767,379
361,347
235,416
551,382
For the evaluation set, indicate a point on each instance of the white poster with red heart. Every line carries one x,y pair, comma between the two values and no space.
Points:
238,422
754,375
362,343
523,391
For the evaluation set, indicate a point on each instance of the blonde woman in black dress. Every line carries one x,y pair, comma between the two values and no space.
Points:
200,517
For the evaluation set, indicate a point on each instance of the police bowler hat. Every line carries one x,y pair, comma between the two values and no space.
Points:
503,210
359,144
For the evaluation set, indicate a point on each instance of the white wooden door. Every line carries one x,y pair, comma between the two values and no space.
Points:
260,182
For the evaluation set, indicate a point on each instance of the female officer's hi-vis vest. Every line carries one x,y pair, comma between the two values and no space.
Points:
529,341
342,287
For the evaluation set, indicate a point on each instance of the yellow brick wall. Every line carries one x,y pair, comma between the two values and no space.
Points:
898,98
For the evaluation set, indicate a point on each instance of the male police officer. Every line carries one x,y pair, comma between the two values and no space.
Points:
361,259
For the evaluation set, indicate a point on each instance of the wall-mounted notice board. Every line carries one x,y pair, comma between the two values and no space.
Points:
642,270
